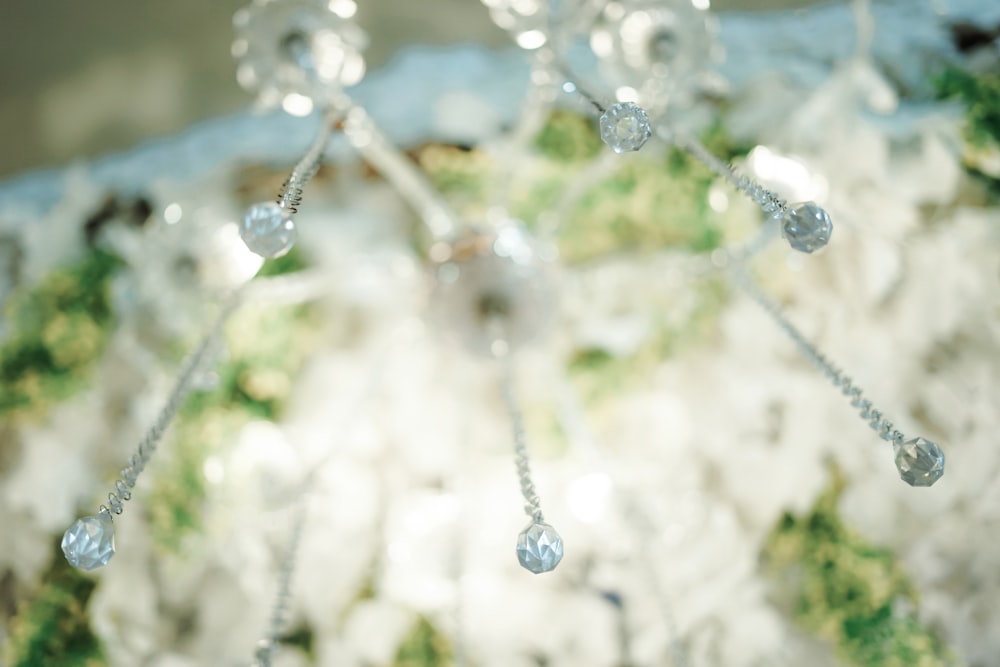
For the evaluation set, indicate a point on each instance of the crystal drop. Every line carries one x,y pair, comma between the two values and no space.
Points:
807,227
90,542
625,127
268,230
539,548
920,461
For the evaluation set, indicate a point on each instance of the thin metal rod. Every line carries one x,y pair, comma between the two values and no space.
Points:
532,503
369,140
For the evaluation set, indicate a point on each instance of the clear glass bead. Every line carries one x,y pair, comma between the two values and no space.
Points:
492,285
920,462
807,227
625,127
297,47
539,548
90,542
268,230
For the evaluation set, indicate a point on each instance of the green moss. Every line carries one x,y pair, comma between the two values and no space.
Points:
58,330
849,592
650,203
569,137
302,638
980,92
52,628
423,647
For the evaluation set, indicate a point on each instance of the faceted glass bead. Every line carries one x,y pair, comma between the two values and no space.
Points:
268,230
920,461
807,227
90,542
625,127
539,548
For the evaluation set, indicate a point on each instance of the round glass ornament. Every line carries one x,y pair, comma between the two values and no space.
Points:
493,289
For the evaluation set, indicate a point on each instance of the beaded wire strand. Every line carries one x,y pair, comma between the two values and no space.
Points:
522,460
277,623
279,611
920,462
193,365
539,546
89,542
290,195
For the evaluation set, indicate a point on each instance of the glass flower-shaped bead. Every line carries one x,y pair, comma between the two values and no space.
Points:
495,277
539,548
663,49
625,127
920,462
807,227
268,230
90,542
305,48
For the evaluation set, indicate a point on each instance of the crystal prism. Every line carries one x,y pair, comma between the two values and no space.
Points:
268,230
807,227
625,127
90,542
539,548
920,462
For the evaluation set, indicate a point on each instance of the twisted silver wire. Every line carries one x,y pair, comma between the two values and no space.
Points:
143,453
279,610
290,195
532,503
874,417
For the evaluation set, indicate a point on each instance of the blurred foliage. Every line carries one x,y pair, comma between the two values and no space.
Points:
52,627
651,201
266,347
980,93
847,591
569,137
674,327
290,262
58,329
302,638
423,647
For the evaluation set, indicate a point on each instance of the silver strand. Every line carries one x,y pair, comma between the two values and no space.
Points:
89,543
279,611
290,195
920,461
182,387
539,546
267,646
532,503
771,204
